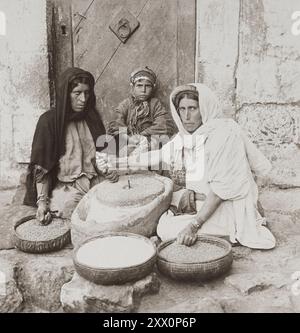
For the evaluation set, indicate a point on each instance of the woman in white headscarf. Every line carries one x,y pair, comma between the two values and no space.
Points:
216,160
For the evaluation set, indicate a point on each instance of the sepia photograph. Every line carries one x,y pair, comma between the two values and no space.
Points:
149,159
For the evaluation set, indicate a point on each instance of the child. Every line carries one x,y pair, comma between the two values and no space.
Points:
141,115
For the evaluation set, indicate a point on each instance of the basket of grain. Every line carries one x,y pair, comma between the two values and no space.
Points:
208,258
115,258
33,237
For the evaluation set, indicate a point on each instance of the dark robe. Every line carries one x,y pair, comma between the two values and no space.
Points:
48,142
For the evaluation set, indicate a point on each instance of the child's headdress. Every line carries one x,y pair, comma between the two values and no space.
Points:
143,73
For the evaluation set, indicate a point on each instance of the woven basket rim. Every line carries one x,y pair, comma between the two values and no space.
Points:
114,269
213,239
43,242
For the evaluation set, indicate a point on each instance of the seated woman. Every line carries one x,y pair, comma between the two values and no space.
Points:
63,152
214,159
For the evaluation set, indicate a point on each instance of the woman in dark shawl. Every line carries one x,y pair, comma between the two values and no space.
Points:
62,167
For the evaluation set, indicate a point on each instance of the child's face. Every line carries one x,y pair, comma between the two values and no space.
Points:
142,90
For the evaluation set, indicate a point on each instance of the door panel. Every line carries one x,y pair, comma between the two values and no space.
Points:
165,41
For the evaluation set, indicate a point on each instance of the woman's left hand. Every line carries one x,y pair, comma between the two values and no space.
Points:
187,236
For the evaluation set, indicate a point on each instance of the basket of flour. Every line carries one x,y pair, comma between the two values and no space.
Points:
115,258
33,237
208,258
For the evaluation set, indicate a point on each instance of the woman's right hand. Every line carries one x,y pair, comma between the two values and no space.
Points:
187,236
101,162
43,214
112,176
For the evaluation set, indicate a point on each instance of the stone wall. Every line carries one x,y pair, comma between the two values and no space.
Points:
24,87
249,56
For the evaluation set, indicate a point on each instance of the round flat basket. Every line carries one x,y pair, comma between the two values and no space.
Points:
115,258
30,236
208,258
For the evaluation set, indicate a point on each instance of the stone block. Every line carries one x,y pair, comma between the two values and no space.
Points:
24,84
10,297
275,129
80,295
218,47
41,277
269,53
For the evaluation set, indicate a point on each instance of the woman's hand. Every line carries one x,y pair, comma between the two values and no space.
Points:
101,162
43,214
188,235
137,144
112,176
103,166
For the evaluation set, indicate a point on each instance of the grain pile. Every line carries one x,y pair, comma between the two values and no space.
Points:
143,189
114,252
197,253
33,231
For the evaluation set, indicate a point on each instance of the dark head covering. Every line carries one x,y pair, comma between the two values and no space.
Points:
49,138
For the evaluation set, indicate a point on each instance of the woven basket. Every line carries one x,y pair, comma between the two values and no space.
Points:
115,276
197,271
55,244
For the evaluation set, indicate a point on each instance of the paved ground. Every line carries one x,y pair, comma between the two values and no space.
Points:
259,281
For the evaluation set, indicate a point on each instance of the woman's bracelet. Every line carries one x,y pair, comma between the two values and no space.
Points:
42,197
197,224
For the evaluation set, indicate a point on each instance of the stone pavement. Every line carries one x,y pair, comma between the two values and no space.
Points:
259,281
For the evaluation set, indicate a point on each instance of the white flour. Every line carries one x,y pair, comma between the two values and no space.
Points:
114,252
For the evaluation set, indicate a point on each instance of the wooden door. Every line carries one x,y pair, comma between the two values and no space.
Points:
165,41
